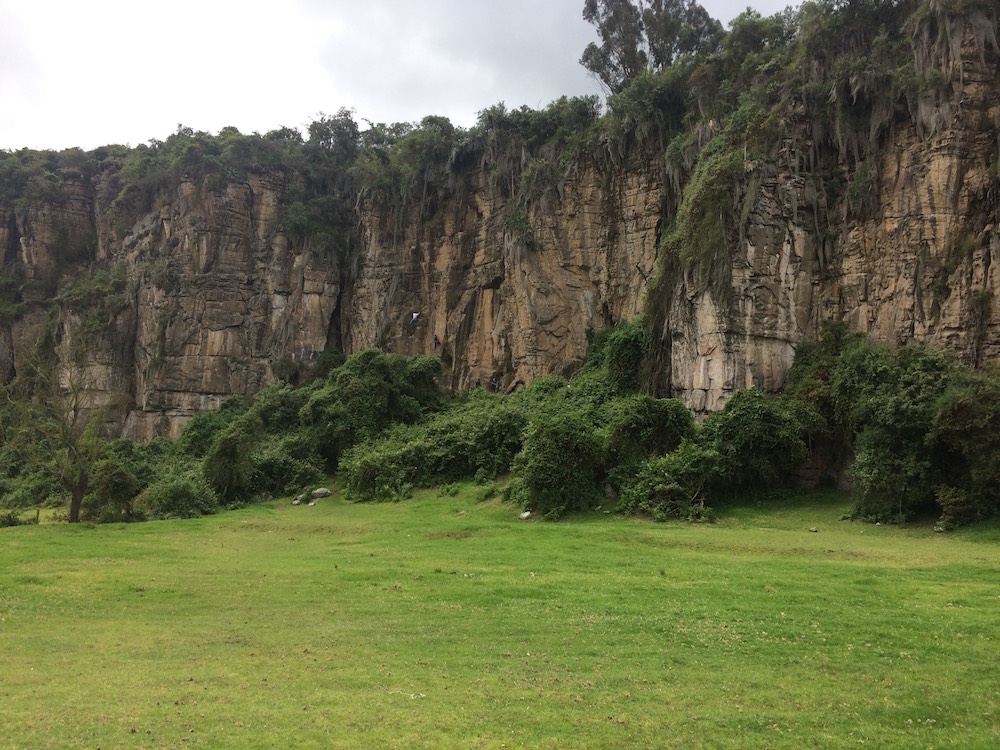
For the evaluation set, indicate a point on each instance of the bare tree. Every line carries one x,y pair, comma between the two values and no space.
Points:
55,423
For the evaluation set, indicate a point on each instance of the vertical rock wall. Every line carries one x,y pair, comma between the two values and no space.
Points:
218,298
511,303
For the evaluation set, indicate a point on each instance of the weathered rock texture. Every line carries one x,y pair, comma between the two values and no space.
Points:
915,267
508,304
218,298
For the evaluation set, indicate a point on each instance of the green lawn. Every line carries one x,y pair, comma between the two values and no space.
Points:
446,622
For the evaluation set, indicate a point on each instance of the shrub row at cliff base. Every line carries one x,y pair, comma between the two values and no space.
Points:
916,432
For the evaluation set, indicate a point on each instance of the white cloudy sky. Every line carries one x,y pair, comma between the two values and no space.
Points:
92,72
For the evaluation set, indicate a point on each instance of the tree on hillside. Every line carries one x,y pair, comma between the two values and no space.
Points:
675,28
645,35
621,55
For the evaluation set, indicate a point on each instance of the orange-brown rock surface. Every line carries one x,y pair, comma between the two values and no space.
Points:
218,297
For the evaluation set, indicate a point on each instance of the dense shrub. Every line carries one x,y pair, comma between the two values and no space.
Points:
640,426
178,495
328,361
966,434
887,401
369,392
145,461
200,432
619,352
586,395
112,492
381,470
958,506
484,436
278,407
13,518
560,467
31,488
758,439
477,438
810,379
229,464
673,486
284,465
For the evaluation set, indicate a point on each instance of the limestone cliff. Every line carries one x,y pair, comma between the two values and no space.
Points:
215,295
511,302
915,267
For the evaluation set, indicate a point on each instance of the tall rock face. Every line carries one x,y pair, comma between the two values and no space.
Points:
212,297
908,262
211,300
222,298
912,264
504,292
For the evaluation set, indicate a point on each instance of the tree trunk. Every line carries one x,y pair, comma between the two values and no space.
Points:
77,491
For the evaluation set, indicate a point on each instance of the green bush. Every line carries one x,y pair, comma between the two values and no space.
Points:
673,486
957,506
200,432
637,427
229,465
278,407
890,481
379,471
888,401
112,492
559,469
284,466
476,439
586,395
461,443
367,394
13,518
759,441
145,461
178,495
31,488
625,349
924,432
966,433
862,369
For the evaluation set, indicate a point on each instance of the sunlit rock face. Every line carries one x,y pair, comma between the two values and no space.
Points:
215,297
916,265
218,299
913,265
508,302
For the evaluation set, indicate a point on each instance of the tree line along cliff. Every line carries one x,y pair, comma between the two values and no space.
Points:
838,162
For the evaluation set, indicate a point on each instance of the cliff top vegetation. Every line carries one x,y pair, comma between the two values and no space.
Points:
834,75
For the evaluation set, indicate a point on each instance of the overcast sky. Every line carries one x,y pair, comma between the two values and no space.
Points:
93,72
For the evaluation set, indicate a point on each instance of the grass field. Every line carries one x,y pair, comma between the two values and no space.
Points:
446,622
